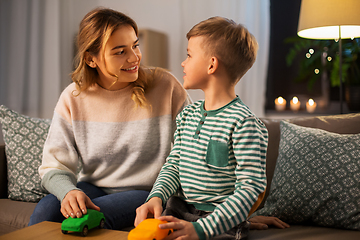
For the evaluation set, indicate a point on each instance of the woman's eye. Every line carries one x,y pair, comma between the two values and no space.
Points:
188,55
119,52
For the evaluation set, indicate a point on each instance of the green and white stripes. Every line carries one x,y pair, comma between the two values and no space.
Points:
218,162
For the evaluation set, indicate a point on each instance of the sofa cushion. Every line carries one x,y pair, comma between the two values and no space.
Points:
24,138
343,124
316,178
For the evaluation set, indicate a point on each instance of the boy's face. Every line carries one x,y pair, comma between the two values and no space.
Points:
195,65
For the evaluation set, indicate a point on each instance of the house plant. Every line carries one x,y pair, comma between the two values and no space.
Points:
319,59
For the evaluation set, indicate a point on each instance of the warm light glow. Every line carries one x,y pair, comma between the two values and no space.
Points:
295,100
308,55
311,101
329,58
320,19
330,19
280,100
331,32
295,104
280,104
310,105
317,71
311,51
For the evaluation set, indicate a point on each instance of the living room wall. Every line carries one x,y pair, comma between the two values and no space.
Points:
37,44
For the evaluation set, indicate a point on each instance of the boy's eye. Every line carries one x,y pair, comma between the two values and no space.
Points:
188,55
136,45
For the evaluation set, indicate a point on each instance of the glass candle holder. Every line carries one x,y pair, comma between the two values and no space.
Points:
295,104
280,104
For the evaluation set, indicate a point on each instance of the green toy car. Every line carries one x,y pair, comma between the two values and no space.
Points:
88,221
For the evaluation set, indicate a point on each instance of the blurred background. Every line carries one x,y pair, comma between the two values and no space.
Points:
37,47
37,44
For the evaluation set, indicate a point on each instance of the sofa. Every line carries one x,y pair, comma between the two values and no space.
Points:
345,125
15,214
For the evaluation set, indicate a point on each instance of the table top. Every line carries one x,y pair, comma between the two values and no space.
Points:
52,230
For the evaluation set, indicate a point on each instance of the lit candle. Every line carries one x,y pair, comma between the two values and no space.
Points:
280,104
295,104
310,105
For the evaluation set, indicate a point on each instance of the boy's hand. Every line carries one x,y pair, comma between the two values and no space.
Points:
75,203
263,222
182,229
153,208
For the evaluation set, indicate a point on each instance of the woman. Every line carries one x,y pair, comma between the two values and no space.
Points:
116,120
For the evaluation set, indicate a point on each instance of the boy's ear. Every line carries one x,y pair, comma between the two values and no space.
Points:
213,66
89,60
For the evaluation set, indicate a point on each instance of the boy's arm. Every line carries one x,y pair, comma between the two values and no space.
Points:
168,180
249,144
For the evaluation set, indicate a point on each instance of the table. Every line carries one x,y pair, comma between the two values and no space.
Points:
52,230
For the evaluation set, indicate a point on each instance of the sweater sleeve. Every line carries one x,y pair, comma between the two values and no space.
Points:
59,183
60,158
168,180
249,144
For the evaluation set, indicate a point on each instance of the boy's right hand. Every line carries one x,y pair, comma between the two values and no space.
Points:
75,204
153,208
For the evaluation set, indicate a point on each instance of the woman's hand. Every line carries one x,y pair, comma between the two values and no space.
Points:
263,222
183,230
75,203
153,208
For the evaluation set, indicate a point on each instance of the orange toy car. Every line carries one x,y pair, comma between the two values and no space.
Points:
149,230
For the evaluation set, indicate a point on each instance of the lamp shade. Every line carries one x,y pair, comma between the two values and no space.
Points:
320,19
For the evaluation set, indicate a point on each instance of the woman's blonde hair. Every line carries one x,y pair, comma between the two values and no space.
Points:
95,30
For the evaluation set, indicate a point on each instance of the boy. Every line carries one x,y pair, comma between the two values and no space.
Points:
217,164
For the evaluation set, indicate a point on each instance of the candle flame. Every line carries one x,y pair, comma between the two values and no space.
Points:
295,100
280,100
311,102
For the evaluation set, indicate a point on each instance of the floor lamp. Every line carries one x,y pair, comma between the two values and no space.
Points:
330,19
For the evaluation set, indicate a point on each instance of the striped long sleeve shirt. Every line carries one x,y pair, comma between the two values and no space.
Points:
217,163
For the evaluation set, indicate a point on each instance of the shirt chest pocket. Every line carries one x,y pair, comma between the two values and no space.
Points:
217,153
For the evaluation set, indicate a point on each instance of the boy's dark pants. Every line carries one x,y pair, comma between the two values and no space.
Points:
180,209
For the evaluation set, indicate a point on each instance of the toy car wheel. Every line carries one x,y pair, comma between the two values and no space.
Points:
102,223
85,231
64,232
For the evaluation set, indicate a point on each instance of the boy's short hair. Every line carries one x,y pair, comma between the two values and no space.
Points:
231,43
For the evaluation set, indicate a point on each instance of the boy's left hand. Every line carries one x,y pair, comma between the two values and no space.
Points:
263,222
182,229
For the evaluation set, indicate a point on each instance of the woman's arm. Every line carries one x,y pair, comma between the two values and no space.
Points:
60,159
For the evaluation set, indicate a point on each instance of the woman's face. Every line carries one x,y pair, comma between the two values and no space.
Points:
121,56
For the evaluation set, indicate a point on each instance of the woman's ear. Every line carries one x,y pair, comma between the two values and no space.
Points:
89,60
213,66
